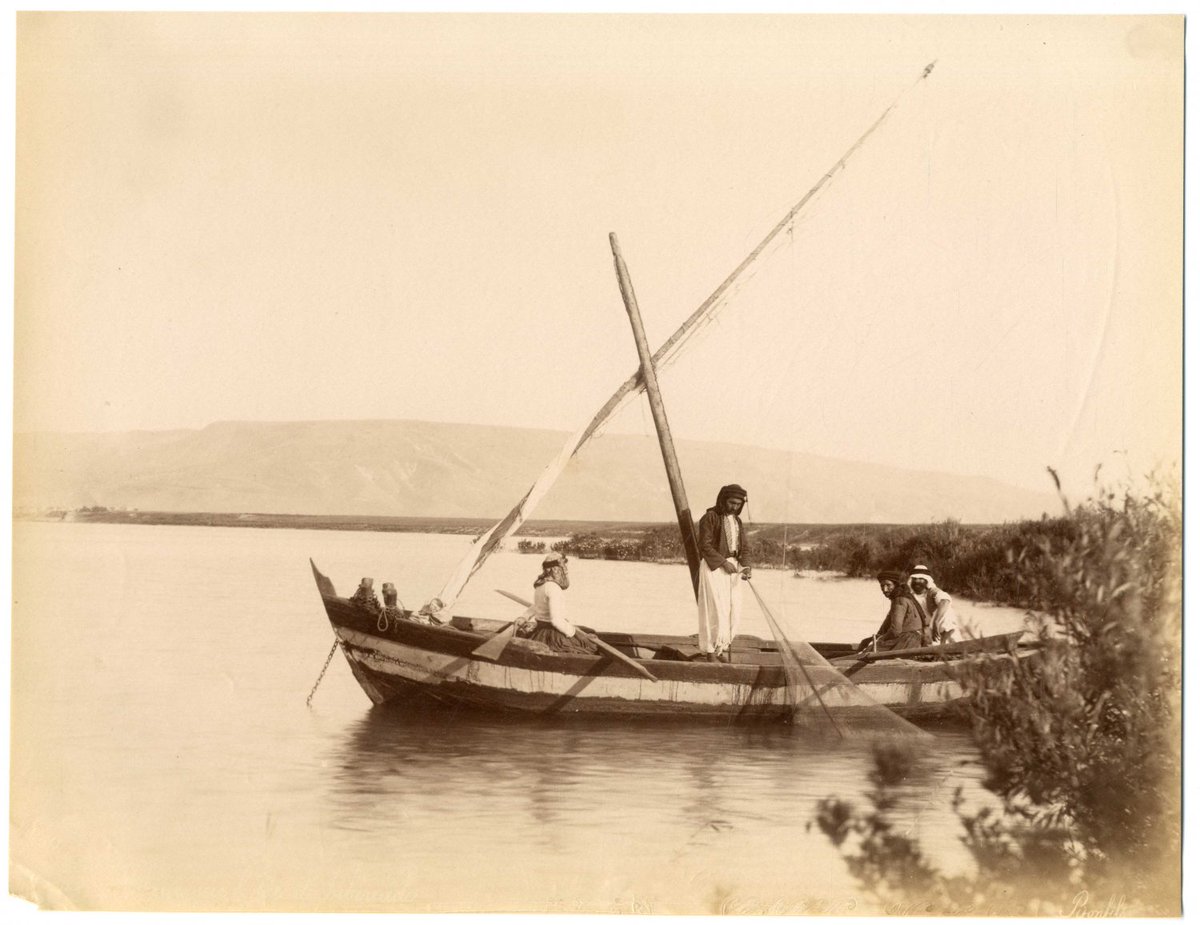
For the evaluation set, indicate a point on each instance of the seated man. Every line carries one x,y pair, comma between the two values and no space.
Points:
549,611
902,627
936,603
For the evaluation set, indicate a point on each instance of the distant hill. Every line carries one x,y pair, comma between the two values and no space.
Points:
415,468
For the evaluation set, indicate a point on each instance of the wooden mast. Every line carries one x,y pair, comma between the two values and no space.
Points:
686,526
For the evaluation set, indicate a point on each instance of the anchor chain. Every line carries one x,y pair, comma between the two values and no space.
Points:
328,659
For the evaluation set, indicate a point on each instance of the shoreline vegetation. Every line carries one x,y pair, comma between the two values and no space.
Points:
978,562
988,563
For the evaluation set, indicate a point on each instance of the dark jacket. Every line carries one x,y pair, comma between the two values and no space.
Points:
903,624
711,540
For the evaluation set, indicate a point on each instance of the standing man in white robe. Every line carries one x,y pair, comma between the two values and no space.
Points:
722,541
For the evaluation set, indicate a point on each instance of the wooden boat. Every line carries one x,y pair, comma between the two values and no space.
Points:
424,665
635,674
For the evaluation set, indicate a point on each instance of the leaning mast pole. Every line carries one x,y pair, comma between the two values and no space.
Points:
659,412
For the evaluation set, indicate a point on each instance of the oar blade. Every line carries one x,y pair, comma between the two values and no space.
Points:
496,644
1000,642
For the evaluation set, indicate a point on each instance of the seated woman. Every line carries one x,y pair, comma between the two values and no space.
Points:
549,611
902,628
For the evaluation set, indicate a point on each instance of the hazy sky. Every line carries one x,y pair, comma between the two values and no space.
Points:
293,217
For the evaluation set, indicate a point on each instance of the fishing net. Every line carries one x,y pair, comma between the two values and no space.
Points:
826,702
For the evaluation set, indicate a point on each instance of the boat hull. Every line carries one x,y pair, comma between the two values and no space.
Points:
408,662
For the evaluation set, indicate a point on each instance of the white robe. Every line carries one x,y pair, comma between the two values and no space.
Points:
720,607
949,623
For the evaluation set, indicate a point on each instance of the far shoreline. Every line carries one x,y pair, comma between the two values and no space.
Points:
795,533
975,559
471,526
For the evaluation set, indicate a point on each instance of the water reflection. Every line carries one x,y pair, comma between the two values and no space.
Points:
669,789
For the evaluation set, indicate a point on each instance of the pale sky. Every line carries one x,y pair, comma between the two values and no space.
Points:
300,217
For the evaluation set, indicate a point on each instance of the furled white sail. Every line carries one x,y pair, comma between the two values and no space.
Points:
487,543
490,541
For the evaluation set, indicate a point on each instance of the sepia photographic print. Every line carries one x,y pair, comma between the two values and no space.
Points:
672,464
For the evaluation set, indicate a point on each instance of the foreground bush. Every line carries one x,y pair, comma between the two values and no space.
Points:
1080,744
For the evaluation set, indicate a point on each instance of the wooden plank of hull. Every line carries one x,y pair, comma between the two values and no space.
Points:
385,668
1001,642
394,689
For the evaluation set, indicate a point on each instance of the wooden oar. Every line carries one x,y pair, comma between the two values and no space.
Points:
592,638
497,642
995,643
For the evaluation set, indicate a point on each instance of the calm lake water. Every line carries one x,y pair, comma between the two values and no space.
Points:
163,757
